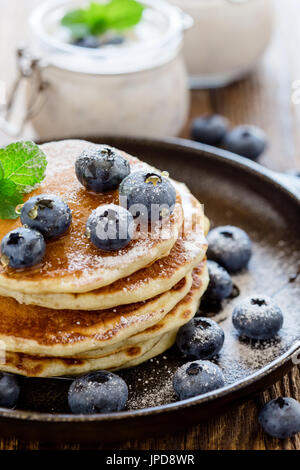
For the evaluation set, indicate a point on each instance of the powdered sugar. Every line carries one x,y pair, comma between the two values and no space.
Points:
269,272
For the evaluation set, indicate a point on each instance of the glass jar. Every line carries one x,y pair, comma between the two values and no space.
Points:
137,88
227,39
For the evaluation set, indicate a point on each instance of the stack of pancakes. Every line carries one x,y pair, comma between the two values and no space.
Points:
83,309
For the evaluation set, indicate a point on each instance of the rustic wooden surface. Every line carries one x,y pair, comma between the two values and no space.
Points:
264,99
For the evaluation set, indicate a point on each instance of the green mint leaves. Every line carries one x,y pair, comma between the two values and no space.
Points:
98,18
22,168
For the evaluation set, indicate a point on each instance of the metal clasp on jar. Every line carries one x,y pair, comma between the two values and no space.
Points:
12,119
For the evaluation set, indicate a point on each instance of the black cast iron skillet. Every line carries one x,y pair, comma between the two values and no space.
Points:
234,191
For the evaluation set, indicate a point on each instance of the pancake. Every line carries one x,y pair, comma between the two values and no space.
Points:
72,264
38,330
150,344
165,342
178,316
146,283
35,366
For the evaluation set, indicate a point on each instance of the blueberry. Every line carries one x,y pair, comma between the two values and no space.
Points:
9,390
209,129
220,283
22,248
201,338
196,378
248,141
48,214
149,195
110,227
97,392
257,317
101,168
91,42
230,247
281,417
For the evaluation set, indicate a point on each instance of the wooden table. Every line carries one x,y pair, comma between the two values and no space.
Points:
264,99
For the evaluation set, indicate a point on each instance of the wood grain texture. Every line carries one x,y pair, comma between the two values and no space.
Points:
264,99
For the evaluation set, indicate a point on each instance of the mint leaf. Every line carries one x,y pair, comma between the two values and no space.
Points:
74,17
123,14
76,21
23,163
98,18
22,168
10,198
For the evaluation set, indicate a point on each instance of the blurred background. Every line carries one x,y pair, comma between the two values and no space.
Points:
267,96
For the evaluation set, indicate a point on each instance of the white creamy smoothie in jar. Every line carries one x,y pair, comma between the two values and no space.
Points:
227,39
133,83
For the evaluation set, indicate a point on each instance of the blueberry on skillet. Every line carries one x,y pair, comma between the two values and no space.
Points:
9,390
101,168
48,214
149,195
209,129
110,227
245,140
257,317
230,247
97,392
196,378
200,338
281,417
220,283
22,248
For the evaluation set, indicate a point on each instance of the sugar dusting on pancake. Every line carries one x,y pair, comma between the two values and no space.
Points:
72,263
160,276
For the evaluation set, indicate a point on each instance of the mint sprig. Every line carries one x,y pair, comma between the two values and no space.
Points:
22,168
97,18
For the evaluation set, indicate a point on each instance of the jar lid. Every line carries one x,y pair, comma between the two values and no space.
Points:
158,38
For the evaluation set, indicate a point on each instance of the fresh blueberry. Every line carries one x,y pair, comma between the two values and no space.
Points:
9,390
110,227
196,378
97,392
101,168
281,417
148,195
47,214
209,129
220,283
230,247
248,141
257,317
201,338
91,42
22,248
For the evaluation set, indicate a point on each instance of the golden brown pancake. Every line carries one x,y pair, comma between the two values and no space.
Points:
34,366
72,263
37,330
161,276
177,317
151,342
